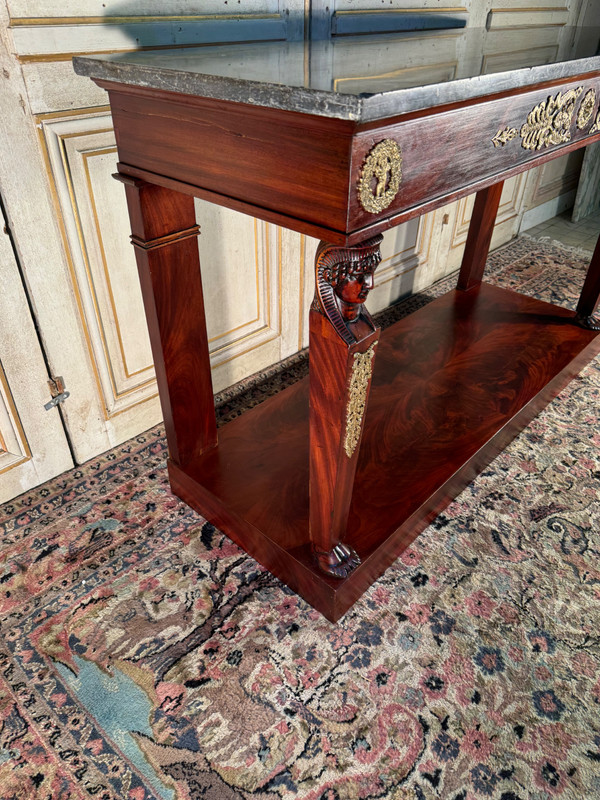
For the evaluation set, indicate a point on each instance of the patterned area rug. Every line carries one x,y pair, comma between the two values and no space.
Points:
144,656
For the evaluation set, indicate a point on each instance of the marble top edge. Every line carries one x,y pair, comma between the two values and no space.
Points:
362,107
378,106
257,93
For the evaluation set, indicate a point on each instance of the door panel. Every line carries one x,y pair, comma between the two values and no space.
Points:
23,11
587,200
242,273
87,276
33,445
507,221
345,17
102,272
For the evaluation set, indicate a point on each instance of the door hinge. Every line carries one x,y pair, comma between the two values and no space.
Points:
57,391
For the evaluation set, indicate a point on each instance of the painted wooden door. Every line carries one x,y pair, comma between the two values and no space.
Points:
33,444
70,225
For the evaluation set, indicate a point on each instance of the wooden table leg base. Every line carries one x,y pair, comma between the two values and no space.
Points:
591,323
339,562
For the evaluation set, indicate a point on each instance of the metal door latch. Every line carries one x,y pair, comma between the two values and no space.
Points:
58,392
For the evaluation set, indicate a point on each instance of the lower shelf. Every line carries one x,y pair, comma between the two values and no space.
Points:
453,383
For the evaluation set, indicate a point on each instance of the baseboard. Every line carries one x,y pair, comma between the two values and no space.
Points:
551,208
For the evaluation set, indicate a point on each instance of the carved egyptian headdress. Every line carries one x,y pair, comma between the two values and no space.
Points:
334,263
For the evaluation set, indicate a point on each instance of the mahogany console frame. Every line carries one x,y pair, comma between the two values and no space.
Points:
451,384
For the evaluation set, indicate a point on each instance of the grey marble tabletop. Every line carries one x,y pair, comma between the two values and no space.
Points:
354,78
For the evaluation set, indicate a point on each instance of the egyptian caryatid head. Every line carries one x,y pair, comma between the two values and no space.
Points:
344,279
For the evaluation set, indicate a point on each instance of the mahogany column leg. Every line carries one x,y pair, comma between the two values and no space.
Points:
164,233
343,340
479,237
590,294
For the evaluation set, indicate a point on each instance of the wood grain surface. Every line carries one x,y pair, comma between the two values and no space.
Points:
447,151
332,470
479,237
303,171
163,225
453,384
291,163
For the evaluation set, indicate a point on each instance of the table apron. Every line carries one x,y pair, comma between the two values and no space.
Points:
311,174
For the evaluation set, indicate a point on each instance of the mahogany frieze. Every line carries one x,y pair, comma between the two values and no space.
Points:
551,121
343,181
446,154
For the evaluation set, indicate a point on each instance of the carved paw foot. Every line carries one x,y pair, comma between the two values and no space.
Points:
591,323
339,562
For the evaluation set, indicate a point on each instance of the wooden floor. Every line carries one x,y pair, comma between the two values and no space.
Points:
452,384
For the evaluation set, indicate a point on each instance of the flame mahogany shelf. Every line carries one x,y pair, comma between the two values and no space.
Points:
453,383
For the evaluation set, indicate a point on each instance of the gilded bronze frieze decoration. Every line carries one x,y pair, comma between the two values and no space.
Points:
549,123
344,278
596,126
504,136
586,109
380,176
360,378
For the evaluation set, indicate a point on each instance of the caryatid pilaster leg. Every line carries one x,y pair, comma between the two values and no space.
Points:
343,340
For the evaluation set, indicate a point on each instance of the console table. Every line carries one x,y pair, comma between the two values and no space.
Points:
328,481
